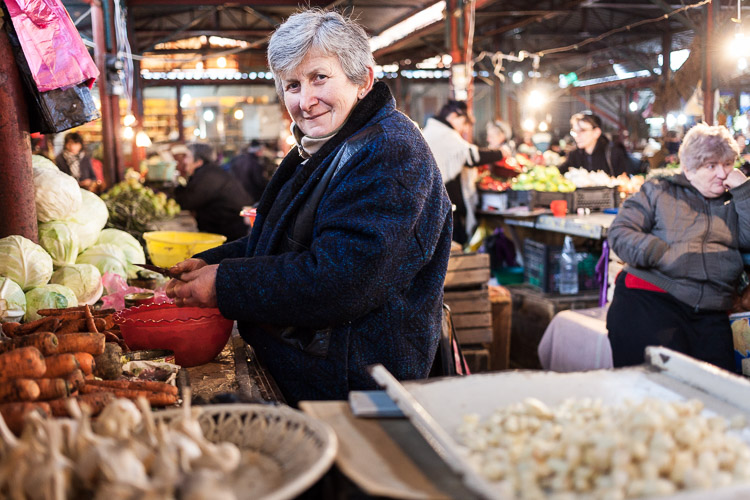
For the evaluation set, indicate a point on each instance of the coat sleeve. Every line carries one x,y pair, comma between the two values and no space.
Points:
741,198
229,250
630,233
371,237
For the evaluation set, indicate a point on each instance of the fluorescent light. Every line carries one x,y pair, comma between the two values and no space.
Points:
408,26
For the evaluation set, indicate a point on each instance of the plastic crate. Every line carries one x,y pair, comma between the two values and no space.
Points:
542,267
493,200
594,198
533,199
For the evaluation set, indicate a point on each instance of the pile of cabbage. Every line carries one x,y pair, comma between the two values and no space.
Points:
65,269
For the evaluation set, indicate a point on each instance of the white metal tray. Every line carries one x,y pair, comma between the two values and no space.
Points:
436,406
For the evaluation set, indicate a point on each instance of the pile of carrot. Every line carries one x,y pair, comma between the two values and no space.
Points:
45,362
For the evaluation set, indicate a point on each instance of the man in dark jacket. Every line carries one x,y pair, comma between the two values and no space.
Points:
214,195
593,150
253,168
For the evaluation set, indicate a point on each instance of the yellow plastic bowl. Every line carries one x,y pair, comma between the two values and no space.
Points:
167,248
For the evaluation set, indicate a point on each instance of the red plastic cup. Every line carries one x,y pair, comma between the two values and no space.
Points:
559,208
249,214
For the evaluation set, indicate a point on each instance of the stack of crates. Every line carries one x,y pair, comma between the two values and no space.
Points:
467,295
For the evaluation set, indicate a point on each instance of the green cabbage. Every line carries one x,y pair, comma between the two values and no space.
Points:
89,220
129,245
84,279
107,258
39,161
48,297
12,301
56,194
60,240
24,262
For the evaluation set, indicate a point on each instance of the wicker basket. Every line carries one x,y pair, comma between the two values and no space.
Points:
299,447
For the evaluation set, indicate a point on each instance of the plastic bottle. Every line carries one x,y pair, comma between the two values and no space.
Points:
568,268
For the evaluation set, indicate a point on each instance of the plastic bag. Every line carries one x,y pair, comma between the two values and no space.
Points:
55,110
117,288
54,51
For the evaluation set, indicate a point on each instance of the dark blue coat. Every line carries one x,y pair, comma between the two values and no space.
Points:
369,286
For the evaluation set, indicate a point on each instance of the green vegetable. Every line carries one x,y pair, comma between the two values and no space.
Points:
39,161
128,244
24,262
89,220
12,301
106,258
60,240
134,208
84,280
56,194
48,297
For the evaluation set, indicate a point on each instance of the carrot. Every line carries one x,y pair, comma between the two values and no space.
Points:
120,393
46,342
60,365
85,362
52,388
14,414
161,399
10,328
90,326
92,343
41,325
109,322
139,385
58,312
110,337
20,389
95,403
24,362
75,380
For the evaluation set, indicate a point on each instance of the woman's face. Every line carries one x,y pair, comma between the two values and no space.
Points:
74,147
709,178
495,135
319,96
585,135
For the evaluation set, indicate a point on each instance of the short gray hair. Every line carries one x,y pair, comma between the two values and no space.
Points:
705,143
202,151
330,33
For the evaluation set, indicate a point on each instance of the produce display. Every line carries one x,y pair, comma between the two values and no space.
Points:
586,450
125,453
580,177
134,207
541,178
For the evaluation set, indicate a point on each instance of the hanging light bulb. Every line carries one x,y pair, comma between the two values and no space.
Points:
221,62
633,106
128,133
142,140
129,120
208,115
239,114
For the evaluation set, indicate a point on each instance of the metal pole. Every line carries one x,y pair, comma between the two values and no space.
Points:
16,177
708,88
109,158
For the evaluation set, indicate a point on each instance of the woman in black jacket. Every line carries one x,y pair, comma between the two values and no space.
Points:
212,194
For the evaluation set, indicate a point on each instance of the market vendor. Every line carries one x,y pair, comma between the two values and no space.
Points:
680,237
212,194
457,160
345,263
593,150
74,161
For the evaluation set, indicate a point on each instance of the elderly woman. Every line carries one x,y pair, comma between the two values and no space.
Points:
680,237
345,263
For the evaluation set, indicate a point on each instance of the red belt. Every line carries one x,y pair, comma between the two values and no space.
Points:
641,284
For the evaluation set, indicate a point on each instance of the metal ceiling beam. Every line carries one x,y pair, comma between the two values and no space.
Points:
260,15
221,33
564,9
176,33
680,17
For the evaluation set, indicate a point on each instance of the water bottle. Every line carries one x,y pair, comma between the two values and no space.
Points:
568,268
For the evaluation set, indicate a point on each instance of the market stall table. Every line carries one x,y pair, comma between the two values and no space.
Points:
576,340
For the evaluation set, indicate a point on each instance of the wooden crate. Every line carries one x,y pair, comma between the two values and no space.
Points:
467,270
477,357
472,315
502,312
532,313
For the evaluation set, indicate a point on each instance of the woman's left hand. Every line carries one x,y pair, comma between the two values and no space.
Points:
734,179
198,288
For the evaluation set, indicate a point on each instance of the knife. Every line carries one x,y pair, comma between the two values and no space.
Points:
161,270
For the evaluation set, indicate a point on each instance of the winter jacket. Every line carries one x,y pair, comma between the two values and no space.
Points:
86,169
321,294
689,245
216,198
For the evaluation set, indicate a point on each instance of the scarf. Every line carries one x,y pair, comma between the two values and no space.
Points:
271,205
74,162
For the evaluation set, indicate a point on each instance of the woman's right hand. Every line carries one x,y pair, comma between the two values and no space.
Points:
180,268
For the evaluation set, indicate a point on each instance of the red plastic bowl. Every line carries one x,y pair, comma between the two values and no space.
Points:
195,334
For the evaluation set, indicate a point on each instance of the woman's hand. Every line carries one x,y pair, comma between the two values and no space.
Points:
187,266
734,179
198,288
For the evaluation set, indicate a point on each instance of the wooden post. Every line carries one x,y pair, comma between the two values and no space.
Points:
16,177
